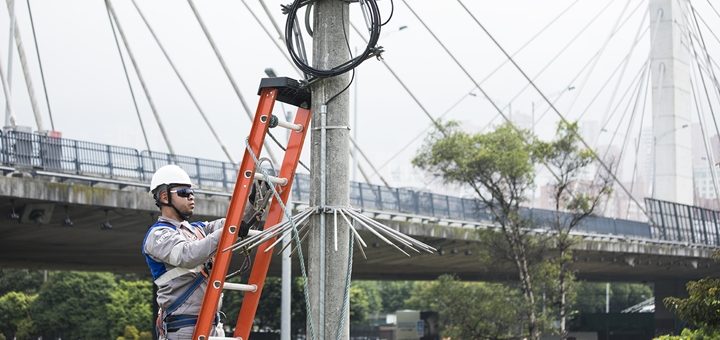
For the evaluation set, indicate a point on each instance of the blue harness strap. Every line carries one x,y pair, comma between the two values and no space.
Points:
157,268
185,295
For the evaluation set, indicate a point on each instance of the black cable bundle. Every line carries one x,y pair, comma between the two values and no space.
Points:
371,50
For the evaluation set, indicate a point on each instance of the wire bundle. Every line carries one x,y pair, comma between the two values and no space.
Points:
371,13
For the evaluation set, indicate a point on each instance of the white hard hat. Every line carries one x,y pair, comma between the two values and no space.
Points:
169,174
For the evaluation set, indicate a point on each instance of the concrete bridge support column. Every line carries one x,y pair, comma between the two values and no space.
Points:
665,320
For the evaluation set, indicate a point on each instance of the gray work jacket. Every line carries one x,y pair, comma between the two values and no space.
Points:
184,251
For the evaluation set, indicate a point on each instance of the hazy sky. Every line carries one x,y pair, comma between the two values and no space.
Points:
90,99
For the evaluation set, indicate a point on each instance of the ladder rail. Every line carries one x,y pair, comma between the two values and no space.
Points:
235,214
261,264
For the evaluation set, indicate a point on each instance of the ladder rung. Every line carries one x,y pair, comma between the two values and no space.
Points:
271,179
288,125
239,287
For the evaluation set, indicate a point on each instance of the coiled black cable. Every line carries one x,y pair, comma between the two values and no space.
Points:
370,50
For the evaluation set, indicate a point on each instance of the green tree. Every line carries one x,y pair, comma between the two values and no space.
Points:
702,306
499,167
73,305
365,301
470,310
393,294
129,333
130,306
574,200
20,280
15,314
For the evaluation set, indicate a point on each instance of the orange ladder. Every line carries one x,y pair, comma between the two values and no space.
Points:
271,89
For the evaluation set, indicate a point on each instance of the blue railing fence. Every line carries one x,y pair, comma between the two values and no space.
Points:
37,151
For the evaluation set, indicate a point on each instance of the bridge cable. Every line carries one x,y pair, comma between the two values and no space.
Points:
622,72
26,70
633,177
132,92
708,154
708,27
590,61
608,118
702,80
560,115
497,68
111,10
489,99
467,73
634,85
42,74
184,84
424,131
641,88
706,54
557,55
225,68
282,50
713,8
8,97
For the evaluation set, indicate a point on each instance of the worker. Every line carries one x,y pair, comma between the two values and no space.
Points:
179,254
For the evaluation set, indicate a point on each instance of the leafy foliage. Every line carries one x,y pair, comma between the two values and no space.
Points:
500,168
470,310
393,294
702,307
365,301
73,305
15,318
130,306
692,334
20,280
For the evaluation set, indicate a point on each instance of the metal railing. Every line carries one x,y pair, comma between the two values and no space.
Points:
683,223
22,150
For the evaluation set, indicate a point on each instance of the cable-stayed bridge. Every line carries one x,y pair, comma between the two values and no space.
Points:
64,199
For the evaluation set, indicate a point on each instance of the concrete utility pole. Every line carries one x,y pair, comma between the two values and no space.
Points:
330,158
673,180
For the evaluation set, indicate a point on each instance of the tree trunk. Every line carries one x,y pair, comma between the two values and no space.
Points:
563,292
526,283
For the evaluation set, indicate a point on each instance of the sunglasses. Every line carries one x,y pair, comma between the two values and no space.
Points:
184,192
